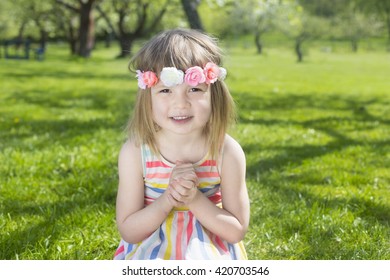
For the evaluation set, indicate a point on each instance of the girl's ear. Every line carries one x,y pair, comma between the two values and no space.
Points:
156,126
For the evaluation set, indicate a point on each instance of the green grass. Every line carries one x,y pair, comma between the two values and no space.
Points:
316,136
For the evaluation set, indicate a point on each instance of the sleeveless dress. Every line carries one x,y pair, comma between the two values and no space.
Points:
180,236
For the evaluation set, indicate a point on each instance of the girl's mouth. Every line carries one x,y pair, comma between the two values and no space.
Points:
181,118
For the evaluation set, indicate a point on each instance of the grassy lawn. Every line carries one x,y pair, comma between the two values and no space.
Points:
316,136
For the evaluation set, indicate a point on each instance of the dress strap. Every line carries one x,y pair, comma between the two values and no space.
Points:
220,159
144,154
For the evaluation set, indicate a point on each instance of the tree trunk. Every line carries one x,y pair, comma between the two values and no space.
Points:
42,39
298,49
21,30
259,44
126,43
191,12
388,32
72,40
43,34
86,32
354,45
108,37
109,33
141,27
386,11
388,44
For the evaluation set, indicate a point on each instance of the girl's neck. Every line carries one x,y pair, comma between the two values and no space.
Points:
182,147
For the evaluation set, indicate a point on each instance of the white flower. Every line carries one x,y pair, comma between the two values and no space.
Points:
222,74
171,76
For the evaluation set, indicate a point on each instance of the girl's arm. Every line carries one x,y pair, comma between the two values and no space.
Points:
231,222
136,222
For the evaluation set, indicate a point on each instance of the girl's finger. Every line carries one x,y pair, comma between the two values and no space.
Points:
173,201
179,187
191,177
187,184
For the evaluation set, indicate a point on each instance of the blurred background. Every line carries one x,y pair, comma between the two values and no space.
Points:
81,23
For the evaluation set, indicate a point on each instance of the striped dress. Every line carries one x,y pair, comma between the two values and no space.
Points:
180,236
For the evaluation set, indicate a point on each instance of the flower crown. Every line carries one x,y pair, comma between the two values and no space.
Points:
171,76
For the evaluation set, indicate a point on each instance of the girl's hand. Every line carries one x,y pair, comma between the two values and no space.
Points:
183,184
182,169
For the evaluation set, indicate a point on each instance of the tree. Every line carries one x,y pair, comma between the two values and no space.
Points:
217,17
15,18
354,26
255,17
266,14
86,36
347,18
325,8
379,8
41,13
133,23
39,19
66,22
190,9
296,23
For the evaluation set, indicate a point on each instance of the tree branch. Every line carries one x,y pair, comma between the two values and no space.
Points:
159,16
142,16
104,15
68,6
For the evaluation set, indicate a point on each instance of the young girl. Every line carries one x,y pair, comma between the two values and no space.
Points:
182,191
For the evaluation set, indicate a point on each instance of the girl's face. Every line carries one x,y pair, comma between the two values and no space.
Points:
181,109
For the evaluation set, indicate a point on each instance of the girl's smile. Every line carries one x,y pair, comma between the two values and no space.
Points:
181,119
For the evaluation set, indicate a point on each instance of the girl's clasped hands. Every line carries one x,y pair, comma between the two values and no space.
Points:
183,184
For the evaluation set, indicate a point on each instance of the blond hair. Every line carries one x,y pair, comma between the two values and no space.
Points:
181,48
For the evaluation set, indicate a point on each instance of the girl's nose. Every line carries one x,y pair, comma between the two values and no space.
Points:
180,99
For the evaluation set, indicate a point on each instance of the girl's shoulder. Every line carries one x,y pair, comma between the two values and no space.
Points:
129,147
231,147
130,155
233,156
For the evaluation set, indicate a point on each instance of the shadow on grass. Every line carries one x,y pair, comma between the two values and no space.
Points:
63,100
74,76
72,204
68,130
65,132
290,102
71,118
66,69
354,112
298,154
85,99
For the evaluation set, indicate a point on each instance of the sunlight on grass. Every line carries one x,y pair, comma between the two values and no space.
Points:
315,136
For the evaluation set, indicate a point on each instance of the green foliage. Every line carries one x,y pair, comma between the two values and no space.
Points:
325,8
216,17
315,136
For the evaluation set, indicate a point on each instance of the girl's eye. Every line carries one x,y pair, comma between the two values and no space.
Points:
165,90
196,90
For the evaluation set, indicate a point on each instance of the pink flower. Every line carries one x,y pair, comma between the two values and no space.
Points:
150,78
211,72
194,76
146,79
